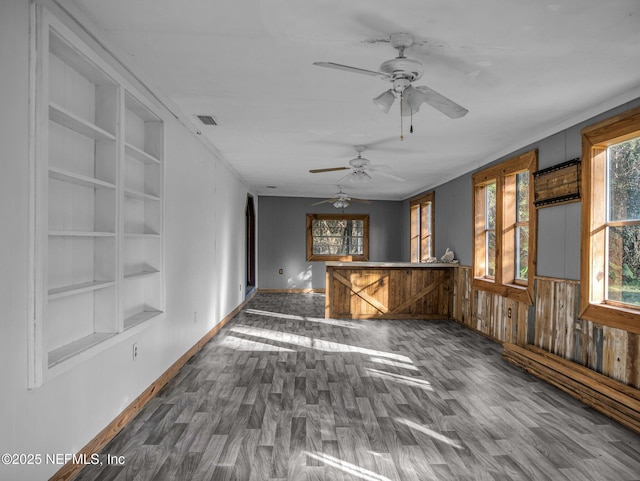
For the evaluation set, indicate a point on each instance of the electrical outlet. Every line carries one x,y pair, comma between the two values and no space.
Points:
280,271
135,351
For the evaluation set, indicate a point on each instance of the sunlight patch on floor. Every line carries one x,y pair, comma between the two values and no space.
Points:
241,344
347,467
322,320
393,363
406,380
429,432
309,342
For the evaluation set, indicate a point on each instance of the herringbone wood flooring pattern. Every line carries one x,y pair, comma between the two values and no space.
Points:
284,394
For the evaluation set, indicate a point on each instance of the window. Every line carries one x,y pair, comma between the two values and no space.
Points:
337,237
504,228
422,227
610,268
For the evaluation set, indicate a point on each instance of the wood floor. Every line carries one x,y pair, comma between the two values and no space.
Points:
283,394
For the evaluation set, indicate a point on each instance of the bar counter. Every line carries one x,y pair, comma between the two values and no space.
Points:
389,290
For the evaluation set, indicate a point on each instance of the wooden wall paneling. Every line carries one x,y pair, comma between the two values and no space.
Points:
487,312
614,353
578,353
523,323
511,319
572,303
467,304
586,349
496,320
595,351
558,332
507,325
543,313
479,309
633,360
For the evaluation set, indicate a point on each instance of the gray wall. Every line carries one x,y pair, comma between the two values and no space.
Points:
558,226
282,239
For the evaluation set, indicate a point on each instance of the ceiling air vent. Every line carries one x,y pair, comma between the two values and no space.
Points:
207,120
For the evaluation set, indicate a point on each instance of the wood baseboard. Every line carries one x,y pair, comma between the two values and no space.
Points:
70,470
608,396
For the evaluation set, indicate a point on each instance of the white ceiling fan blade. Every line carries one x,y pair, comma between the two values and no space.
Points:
378,167
442,103
338,66
325,201
362,201
390,176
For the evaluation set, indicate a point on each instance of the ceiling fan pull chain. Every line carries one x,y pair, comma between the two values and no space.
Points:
411,127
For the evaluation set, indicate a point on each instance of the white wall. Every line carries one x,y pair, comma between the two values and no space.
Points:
205,273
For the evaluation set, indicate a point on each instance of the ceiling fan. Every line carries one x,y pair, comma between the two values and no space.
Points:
401,71
342,200
361,169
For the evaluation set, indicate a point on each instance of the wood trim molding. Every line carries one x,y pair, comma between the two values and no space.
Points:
612,398
504,283
70,470
595,140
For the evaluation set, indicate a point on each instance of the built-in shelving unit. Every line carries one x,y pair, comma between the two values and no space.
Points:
98,215
142,213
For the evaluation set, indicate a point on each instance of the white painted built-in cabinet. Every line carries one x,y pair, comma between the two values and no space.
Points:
97,199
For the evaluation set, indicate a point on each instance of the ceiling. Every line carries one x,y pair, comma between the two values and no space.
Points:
523,69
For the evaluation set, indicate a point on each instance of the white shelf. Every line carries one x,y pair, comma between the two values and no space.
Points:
140,274
83,180
140,195
69,350
64,117
80,233
139,318
144,235
75,289
139,154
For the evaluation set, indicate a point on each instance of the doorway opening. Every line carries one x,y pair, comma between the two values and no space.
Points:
250,236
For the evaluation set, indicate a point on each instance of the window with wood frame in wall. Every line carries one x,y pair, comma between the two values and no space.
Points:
610,262
422,226
505,222
337,237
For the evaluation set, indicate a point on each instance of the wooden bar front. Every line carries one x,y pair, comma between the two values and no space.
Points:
366,290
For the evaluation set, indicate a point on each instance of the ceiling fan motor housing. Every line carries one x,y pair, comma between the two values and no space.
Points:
402,71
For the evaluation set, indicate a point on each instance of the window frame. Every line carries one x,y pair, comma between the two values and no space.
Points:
426,232
504,175
321,257
596,139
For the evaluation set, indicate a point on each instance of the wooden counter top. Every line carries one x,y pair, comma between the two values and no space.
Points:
417,265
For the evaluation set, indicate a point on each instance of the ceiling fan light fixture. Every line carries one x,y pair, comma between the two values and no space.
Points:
412,99
341,203
359,176
384,101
